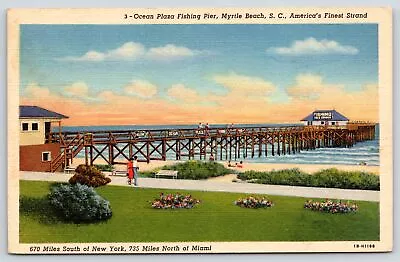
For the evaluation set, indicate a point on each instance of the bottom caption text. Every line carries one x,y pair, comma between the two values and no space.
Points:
184,248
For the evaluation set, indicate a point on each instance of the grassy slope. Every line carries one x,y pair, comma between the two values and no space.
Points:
215,219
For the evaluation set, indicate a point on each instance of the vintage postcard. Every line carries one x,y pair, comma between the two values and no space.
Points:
211,130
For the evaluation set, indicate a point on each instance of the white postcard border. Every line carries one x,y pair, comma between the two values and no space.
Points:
381,16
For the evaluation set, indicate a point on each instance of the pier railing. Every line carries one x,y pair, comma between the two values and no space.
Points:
99,137
116,136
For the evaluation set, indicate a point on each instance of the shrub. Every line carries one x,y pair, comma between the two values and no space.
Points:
254,202
90,176
174,201
79,203
194,169
331,178
330,206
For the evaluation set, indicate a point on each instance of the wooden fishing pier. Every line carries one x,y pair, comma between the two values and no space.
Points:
115,147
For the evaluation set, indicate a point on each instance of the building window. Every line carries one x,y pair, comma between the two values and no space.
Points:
46,156
25,126
322,123
35,126
333,123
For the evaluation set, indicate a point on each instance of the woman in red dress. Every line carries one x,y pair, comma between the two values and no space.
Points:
130,171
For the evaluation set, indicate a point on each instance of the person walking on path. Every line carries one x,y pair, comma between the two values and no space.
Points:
135,170
130,171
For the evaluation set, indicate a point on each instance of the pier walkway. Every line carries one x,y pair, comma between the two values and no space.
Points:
210,185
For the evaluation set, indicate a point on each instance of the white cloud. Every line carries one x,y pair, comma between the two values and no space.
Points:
134,51
92,56
310,86
246,85
184,94
141,88
169,52
128,50
35,90
312,46
78,89
89,56
75,91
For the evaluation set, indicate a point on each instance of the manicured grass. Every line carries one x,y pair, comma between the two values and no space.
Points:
215,219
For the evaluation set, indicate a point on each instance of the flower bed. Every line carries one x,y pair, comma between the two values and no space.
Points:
330,206
174,201
254,202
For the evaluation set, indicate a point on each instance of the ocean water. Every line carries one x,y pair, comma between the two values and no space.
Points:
362,152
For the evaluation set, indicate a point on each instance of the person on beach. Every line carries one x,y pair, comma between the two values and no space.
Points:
207,129
200,126
231,165
130,172
135,170
211,157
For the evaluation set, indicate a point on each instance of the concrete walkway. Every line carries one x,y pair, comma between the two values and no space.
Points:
209,185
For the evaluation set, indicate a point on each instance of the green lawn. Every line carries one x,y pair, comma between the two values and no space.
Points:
215,219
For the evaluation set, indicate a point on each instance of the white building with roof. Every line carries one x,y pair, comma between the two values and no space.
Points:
36,124
325,118
36,150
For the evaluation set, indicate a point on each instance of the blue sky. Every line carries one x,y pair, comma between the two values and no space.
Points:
56,56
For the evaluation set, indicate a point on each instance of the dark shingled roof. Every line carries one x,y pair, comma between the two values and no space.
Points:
336,116
38,112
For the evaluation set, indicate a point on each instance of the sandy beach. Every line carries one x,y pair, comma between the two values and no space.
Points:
309,168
